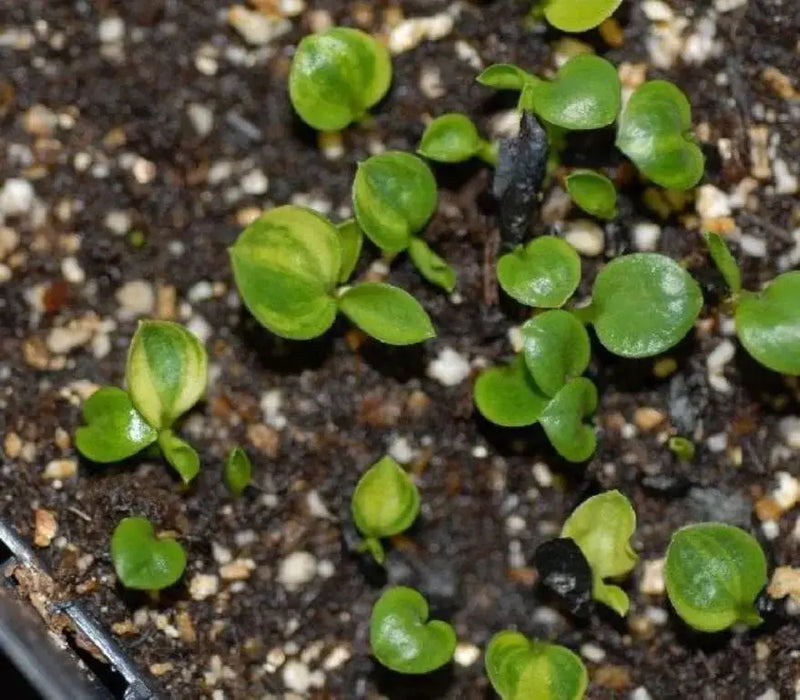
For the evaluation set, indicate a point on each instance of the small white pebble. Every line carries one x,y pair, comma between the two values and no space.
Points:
337,657
480,452
16,197
789,428
640,693
325,568
450,368
72,270
769,694
717,443
771,529
652,582
296,676
712,202
411,32
715,364
118,222
297,569
592,652
466,654
271,404
401,451
254,182
646,236
136,298
111,30
787,493
658,616
752,246
203,586
585,236
201,118
541,472
257,28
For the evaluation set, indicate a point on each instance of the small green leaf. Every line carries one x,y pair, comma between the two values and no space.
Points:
167,371
602,527
724,260
403,639
385,501
562,420
238,471
682,448
114,429
593,192
505,76
768,324
556,348
286,265
452,138
143,561
572,16
508,396
336,76
387,313
394,195
644,304
180,454
432,267
523,669
585,94
655,132
714,573
544,273
350,239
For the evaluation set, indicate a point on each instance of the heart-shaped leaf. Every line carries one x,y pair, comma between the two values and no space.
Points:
768,324
431,266
562,420
350,239
508,396
180,454
143,561
573,16
593,192
450,138
505,76
724,261
114,429
556,348
403,639
644,304
585,94
655,132
238,471
286,265
387,313
522,669
543,274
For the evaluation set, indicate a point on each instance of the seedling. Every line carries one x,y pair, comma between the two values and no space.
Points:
351,240
454,138
767,322
142,560
571,16
336,76
238,471
714,573
287,265
602,527
403,639
520,669
682,448
385,503
166,375
593,192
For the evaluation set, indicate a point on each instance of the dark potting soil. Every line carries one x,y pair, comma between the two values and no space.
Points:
133,197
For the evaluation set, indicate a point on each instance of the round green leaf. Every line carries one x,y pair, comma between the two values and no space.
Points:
505,76
562,420
714,573
644,304
286,265
401,637
508,396
521,669
724,261
336,76
572,16
431,266
593,192
394,195
114,429
387,313
451,138
238,471
544,273
556,348
768,324
180,454
585,94
143,561
350,239
166,373
655,132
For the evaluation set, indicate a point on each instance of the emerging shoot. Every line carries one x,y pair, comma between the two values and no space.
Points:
142,560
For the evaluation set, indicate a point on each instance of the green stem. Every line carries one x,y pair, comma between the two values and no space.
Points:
489,153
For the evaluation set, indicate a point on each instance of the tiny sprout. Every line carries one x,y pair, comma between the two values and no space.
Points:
725,262
454,138
522,669
336,76
602,527
402,637
505,76
571,16
431,266
593,192
562,420
351,239
682,448
142,560
385,503
238,471
714,573
180,454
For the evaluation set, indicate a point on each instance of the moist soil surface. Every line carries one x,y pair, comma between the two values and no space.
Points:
142,169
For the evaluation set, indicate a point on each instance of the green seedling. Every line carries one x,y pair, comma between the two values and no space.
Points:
524,669
593,192
238,471
655,132
562,420
385,503
767,322
402,637
572,16
351,240
180,454
288,264
336,76
142,560
602,527
454,138
714,573
506,76
682,448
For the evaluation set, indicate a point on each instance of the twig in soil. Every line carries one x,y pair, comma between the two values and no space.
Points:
79,513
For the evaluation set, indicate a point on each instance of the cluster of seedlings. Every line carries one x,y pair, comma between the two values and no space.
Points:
293,269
